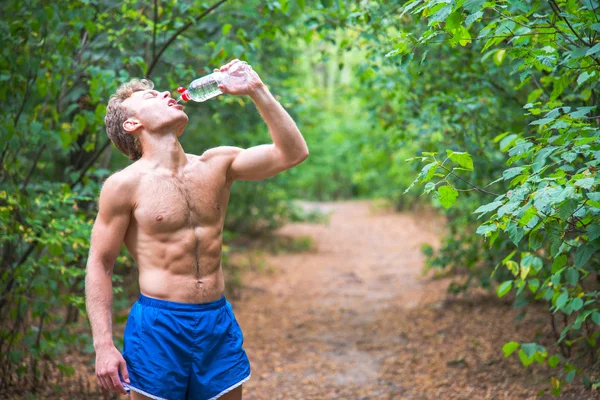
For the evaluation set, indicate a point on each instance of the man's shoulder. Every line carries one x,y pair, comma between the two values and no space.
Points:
121,184
122,177
221,151
221,158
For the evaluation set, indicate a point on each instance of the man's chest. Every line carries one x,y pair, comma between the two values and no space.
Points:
168,204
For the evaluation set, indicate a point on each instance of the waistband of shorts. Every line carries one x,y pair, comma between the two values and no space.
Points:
176,306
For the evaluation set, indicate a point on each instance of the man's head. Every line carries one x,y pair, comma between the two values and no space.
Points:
137,107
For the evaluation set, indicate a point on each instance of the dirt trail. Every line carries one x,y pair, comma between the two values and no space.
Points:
353,318
310,325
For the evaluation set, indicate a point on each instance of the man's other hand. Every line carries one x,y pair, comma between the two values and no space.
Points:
109,362
239,89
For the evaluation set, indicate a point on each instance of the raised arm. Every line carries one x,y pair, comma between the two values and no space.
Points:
288,148
112,221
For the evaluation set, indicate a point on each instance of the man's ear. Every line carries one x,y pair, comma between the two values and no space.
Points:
131,124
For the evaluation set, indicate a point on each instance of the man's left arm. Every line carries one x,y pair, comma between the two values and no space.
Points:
288,148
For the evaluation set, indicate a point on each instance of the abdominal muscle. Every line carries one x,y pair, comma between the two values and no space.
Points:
186,268
181,288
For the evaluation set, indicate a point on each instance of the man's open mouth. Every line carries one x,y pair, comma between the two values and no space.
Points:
172,102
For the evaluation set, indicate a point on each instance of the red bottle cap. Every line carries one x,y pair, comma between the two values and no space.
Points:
185,95
181,89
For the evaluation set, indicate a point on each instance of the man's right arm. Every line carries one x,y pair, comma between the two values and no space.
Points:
114,214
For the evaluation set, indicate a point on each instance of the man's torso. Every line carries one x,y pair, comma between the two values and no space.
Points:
175,233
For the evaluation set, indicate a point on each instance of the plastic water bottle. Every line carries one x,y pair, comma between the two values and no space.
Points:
207,87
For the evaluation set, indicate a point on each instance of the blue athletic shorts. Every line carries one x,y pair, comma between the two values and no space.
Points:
183,350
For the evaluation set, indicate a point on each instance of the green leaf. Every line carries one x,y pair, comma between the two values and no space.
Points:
428,171
453,21
555,279
407,7
461,158
513,267
525,271
447,196
596,317
593,50
509,348
225,29
584,77
542,121
595,196
464,37
499,56
514,232
533,96
488,207
593,232
567,208
562,300
570,376
529,349
582,111
440,15
473,6
559,262
508,208
533,285
504,288
527,216
540,158
507,141
536,239
560,84
537,263
584,252
572,276
473,17
526,361
576,304
585,183
553,361
511,172
485,229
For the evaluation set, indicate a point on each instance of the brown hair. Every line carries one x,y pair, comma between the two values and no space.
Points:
116,114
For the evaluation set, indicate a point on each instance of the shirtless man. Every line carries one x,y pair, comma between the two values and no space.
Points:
182,340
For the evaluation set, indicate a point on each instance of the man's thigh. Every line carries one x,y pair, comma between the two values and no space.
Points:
138,396
235,394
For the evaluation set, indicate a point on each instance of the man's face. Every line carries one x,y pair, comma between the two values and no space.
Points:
156,111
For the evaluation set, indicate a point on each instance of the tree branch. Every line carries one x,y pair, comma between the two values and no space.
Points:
154,29
35,161
179,32
90,163
557,11
468,183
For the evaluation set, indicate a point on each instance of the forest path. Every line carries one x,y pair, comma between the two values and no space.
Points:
312,322
354,317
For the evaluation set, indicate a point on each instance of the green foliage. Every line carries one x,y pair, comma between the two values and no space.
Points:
510,87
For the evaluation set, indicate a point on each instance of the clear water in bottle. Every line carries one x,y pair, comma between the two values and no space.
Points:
207,87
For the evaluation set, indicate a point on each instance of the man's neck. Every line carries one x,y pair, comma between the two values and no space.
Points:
164,152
